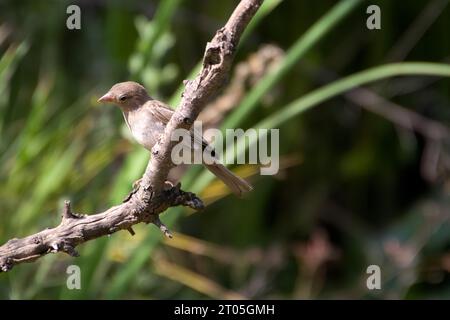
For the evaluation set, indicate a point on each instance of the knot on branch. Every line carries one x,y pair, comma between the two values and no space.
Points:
171,196
37,240
212,55
68,214
176,197
63,246
219,49
6,264
69,249
67,211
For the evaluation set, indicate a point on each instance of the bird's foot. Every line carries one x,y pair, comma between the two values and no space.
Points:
136,186
168,185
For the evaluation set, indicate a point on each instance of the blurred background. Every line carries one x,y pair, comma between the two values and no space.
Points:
364,172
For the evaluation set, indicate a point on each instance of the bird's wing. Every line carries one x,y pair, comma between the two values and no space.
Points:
163,113
160,111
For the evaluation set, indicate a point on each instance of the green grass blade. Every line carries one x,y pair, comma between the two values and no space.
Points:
361,78
160,23
8,62
316,33
267,7
329,91
124,276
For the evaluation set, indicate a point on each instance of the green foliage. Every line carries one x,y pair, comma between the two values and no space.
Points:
351,191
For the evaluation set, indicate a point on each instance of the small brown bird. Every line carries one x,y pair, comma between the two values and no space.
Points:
147,118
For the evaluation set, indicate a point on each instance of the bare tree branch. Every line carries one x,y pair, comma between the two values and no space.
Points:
216,65
152,197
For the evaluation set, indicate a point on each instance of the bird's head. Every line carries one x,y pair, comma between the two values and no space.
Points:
126,95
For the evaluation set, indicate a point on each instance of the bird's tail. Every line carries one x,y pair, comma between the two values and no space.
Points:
235,183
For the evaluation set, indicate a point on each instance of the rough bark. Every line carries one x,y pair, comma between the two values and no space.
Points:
153,196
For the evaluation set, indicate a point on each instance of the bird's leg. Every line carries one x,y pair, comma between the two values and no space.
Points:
136,186
168,185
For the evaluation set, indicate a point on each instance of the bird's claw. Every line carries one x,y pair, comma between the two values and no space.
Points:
169,185
136,186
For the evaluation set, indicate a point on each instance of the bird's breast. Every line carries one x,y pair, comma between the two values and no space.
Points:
145,129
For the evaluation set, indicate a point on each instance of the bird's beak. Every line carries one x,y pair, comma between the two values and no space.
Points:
106,98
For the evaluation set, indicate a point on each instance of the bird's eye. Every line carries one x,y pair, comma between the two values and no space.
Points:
123,98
